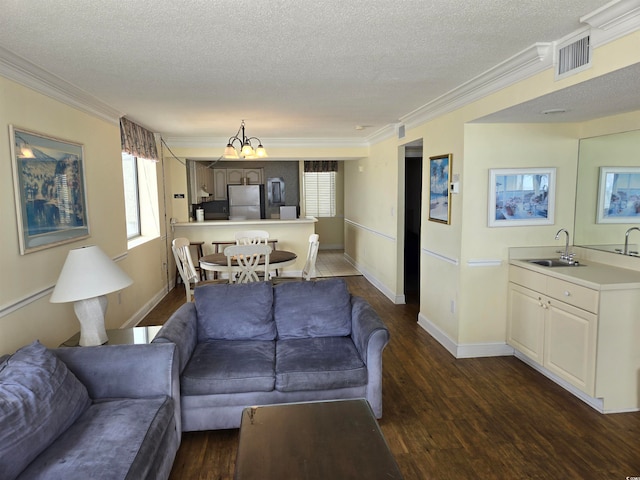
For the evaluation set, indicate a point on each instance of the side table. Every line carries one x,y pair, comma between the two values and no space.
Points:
121,336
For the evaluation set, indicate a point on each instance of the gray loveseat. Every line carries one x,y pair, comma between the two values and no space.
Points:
257,344
108,412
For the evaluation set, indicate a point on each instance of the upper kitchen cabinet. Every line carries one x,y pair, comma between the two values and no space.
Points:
219,183
200,177
248,176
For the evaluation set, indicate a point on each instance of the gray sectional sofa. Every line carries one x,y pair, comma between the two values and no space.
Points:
108,412
257,344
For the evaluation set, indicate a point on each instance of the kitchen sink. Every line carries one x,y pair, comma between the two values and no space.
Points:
548,262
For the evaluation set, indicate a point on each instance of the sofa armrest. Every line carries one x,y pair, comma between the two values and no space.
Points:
181,329
126,371
370,336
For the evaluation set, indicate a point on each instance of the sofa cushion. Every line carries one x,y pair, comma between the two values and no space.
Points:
112,439
319,363
39,399
235,311
230,366
312,309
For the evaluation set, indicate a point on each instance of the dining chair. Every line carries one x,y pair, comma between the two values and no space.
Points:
195,247
251,263
309,270
181,248
252,237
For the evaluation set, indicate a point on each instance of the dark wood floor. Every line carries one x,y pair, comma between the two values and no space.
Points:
486,418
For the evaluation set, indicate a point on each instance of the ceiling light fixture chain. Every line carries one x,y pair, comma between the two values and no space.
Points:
246,149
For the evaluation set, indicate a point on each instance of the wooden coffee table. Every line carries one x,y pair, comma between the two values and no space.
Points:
318,440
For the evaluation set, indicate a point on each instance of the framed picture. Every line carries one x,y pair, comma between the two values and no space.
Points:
49,187
439,194
521,196
619,195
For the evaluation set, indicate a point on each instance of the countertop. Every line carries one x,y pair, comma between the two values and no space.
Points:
263,221
597,276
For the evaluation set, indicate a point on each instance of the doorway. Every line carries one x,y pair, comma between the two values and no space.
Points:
412,220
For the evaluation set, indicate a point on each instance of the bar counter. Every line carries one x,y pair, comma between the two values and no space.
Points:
292,235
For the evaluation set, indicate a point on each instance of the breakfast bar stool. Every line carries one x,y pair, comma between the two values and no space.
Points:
197,246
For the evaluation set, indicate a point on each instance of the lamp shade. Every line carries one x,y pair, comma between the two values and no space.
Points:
230,152
88,272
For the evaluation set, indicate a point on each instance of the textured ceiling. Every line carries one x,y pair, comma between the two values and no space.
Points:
291,69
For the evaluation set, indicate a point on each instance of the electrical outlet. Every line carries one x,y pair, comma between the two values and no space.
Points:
452,306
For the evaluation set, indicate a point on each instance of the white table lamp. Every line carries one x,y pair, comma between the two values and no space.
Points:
87,276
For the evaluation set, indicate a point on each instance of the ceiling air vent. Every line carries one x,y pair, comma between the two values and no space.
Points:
573,57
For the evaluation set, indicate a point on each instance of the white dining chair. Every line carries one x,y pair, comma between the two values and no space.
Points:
252,237
190,277
309,270
252,263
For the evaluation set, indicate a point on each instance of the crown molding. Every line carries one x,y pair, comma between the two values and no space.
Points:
613,20
212,142
528,62
386,132
610,22
30,75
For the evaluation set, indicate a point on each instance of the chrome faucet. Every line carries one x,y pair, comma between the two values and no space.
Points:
565,256
626,240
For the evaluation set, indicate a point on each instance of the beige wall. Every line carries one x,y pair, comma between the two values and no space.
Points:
465,303
331,229
463,267
25,311
371,196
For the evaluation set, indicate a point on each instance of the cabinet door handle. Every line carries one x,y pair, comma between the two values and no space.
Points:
567,293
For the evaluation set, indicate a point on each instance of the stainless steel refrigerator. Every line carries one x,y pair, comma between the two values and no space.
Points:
246,201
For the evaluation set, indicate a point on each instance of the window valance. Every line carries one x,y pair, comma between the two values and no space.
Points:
137,140
321,166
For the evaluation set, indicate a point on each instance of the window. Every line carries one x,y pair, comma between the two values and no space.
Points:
320,194
141,197
131,198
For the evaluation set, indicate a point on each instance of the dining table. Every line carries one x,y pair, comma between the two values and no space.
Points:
217,262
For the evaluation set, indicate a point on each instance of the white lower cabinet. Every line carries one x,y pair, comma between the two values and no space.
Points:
581,328
570,345
554,334
586,337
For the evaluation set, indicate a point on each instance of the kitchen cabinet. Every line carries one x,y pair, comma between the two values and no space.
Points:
200,177
219,183
250,176
582,334
552,332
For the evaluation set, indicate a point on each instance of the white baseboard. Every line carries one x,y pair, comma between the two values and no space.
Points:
396,299
595,403
146,308
469,350
501,350
331,246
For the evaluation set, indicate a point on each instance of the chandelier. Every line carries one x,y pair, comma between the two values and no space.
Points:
246,149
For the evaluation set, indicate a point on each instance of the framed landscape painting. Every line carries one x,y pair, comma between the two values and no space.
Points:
439,194
619,195
521,196
49,188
